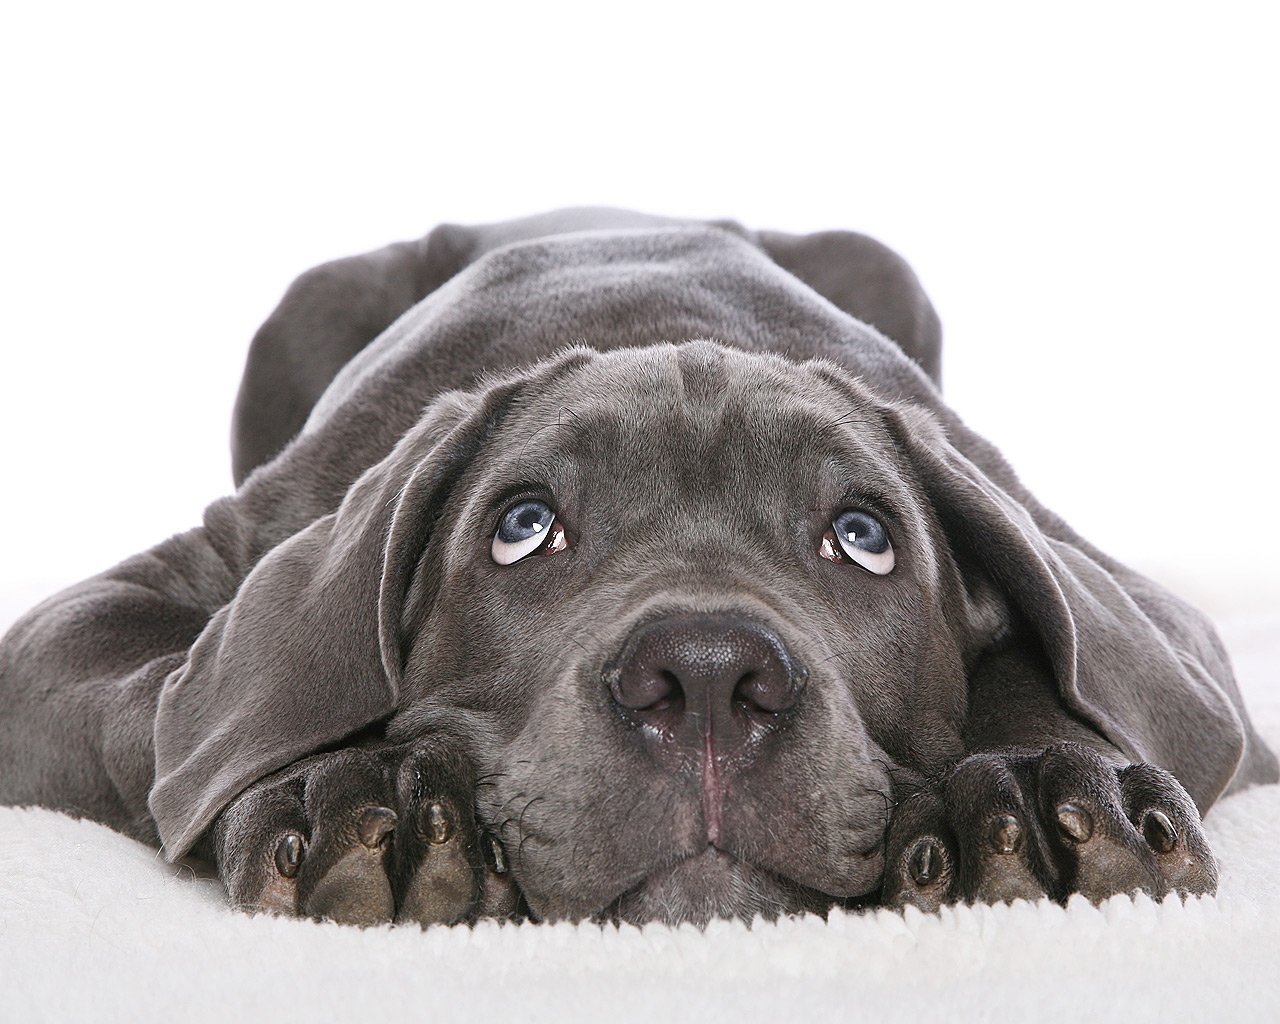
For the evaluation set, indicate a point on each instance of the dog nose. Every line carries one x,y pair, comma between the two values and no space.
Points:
705,678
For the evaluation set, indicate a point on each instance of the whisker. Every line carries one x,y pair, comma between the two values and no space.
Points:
521,830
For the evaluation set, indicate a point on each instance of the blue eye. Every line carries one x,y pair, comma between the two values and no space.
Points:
861,531
859,537
528,519
524,528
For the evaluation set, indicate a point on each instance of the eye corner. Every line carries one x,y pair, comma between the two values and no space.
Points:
829,547
557,540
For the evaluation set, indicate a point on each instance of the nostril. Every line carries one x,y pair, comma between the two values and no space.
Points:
744,694
766,693
648,690
667,690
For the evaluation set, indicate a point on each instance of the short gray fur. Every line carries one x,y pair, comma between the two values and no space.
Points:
696,396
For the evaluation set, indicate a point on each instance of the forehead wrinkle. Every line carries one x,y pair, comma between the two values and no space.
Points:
541,432
696,384
699,409
855,454
554,467
844,475
668,400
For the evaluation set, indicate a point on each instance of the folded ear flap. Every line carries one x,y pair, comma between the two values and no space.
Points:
311,649
308,651
329,314
867,280
1142,668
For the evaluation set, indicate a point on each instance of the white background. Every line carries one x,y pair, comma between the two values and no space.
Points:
1088,193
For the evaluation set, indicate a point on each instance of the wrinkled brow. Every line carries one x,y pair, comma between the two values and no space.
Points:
539,451
545,440
854,455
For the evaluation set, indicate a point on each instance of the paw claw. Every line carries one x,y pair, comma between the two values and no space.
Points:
289,852
497,857
1075,823
1006,834
1159,831
1024,825
375,826
439,827
926,862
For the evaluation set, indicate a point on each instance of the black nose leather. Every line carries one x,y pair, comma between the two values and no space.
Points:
705,677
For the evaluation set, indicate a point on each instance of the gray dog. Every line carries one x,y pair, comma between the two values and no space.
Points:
603,566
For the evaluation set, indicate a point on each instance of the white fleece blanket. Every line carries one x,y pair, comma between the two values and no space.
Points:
94,926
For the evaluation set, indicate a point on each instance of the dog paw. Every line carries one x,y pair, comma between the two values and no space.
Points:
1004,826
364,836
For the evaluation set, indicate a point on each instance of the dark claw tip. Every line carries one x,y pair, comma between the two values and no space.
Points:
926,862
1158,831
1006,834
375,824
439,827
289,854
497,857
1075,823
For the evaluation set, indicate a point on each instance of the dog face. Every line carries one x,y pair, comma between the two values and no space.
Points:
682,691
687,607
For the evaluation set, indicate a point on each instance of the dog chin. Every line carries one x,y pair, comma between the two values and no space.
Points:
711,885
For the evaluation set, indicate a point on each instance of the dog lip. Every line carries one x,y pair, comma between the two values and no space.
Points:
712,854
717,858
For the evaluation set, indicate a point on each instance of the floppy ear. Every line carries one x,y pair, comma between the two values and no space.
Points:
311,649
1144,669
867,280
328,315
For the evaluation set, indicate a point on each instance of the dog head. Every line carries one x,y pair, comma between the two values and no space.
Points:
688,607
